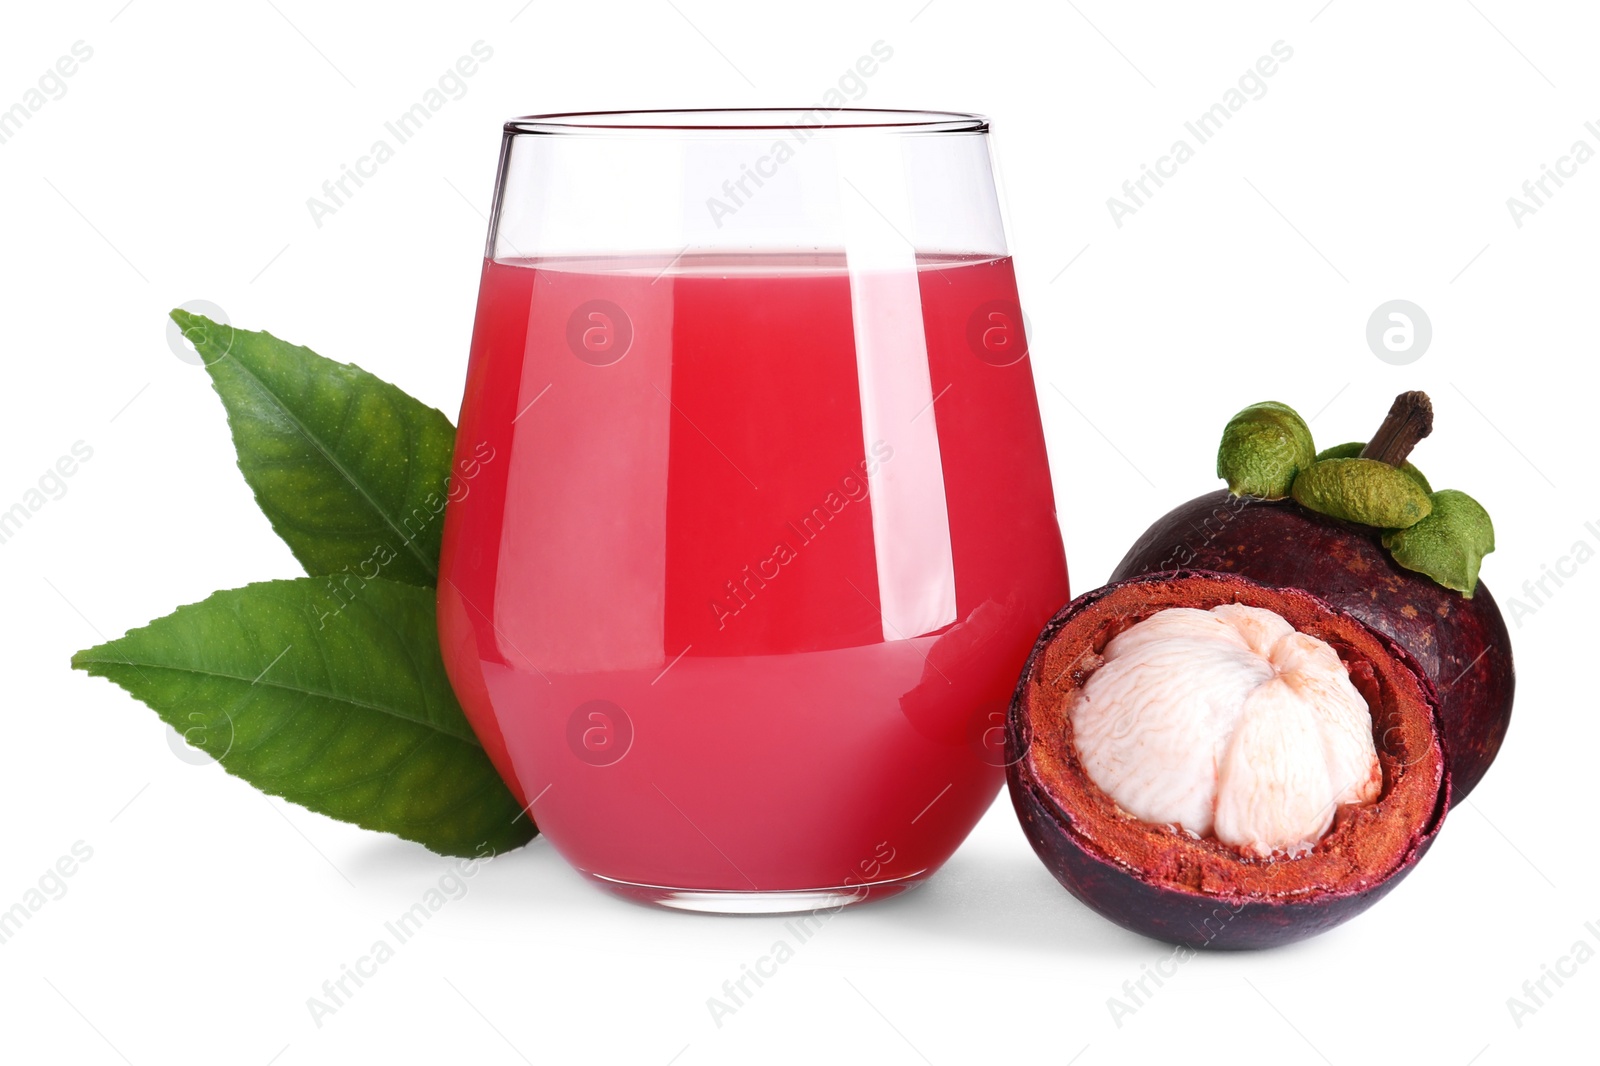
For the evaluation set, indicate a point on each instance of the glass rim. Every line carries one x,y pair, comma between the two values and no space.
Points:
748,120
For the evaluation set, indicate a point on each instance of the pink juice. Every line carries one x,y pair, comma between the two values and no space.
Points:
745,557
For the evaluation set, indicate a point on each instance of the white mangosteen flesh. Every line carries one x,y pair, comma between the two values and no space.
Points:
1229,724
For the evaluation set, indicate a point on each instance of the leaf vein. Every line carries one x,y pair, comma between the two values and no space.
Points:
421,556
300,690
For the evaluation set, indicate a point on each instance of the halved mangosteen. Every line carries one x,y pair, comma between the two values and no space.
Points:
1214,762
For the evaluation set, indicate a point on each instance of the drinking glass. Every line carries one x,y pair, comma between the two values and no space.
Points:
751,528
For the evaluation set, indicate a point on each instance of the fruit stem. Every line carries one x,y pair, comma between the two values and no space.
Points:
1410,419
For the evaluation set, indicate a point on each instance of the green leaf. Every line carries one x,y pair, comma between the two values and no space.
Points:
1354,449
1367,491
345,465
335,699
1263,448
1449,544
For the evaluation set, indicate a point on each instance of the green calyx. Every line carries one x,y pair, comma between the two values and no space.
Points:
1365,491
1449,544
1263,448
1267,451
1353,451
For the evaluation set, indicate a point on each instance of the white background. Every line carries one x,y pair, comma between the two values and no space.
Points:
1377,166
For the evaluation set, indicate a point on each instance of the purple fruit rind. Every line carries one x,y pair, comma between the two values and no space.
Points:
1213,922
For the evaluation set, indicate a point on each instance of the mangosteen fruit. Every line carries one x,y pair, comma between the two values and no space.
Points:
1212,761
1358,526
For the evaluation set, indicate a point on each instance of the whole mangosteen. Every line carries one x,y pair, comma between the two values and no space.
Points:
1256,729
1417,585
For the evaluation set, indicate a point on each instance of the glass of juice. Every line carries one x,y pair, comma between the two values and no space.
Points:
752,527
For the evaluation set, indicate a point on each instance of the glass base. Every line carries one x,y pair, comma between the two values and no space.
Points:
797,901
